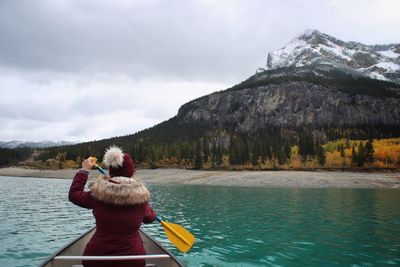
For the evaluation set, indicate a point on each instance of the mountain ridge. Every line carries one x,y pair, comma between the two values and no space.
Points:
312,47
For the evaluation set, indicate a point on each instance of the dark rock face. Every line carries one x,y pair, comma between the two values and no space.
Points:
397,49
363,60
292,104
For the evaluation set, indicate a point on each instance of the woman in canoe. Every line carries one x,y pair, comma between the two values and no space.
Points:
120,204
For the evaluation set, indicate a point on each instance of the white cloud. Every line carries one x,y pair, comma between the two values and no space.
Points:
87,108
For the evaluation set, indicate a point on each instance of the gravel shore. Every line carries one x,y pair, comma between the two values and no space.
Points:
298,179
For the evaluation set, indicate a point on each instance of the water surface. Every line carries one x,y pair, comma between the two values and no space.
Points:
234,226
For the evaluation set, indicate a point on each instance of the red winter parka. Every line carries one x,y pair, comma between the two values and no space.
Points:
120,206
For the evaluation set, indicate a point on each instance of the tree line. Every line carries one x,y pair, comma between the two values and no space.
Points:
13,156
275,148
199,146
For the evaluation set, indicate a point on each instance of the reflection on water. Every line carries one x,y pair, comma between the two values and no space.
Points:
233,226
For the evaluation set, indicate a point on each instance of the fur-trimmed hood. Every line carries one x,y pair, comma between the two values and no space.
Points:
119,190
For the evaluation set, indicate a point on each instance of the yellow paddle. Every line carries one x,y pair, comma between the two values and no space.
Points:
178,235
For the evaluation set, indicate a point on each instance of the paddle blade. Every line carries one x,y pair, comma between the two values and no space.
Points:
179,236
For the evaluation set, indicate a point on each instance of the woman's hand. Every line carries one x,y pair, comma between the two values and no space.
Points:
89,163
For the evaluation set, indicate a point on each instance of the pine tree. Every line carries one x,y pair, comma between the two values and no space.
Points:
214,154
321,156
306,145
220,152
353,155
341,150
369,151
245,150
256,152
361,155
205,149
198,161
347,144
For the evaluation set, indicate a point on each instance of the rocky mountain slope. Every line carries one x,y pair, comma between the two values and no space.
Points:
291,104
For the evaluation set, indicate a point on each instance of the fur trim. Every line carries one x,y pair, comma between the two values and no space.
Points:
119,190
113,157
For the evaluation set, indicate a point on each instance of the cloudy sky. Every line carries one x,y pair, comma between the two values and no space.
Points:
83,70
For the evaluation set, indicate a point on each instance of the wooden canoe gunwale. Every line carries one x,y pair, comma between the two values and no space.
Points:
144,234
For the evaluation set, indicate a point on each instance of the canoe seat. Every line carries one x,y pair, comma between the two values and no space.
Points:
121,258
147,265
145,257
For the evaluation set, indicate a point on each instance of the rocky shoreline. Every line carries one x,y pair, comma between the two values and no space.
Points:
295,179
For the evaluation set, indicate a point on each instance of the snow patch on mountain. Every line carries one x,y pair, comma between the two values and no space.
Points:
388,66
389,53
312,47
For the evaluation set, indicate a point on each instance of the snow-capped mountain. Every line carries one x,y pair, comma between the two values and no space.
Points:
319,50
316,81
17,144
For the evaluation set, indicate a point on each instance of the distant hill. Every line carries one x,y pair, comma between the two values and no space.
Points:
42,144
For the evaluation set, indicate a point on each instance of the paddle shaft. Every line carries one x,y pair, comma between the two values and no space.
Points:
101,170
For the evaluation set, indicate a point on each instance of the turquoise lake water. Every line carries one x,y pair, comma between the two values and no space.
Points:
234,226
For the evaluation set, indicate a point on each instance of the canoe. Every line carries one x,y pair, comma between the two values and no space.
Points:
71,254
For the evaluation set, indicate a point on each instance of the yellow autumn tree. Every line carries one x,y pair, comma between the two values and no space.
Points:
387,152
